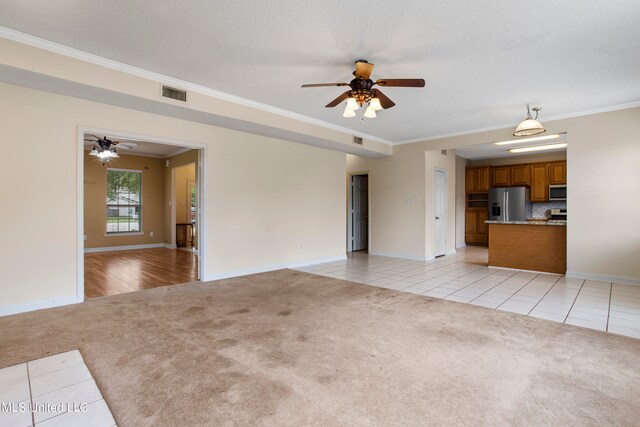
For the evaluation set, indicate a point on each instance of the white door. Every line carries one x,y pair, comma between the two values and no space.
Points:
440,212
359,212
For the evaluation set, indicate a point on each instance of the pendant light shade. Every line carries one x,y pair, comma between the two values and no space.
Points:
348,112
375,104
530,126
370,113
352,104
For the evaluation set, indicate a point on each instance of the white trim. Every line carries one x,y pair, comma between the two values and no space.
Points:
273,267
40,43
124,248
401,256
604,277
461,245
124,233
169,246
39,305
512,125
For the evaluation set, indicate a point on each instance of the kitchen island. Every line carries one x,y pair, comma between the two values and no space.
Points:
528,245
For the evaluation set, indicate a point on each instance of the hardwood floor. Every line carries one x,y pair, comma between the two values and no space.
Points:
111,273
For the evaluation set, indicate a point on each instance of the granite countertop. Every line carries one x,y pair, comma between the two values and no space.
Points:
552,222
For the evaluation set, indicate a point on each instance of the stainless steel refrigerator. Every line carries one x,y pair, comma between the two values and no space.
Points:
509,204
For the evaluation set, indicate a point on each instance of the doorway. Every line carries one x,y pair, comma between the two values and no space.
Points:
127,210
440,208
185,204
359,213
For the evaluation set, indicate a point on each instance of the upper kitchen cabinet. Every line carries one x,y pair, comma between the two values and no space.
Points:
501,176
520,175
558,173
539,182
477,180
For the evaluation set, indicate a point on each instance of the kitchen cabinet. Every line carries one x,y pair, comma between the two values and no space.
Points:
539,182
501,176
477,180
475,228
558,173
520,175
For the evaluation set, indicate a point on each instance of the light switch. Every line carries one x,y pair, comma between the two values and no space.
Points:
408,202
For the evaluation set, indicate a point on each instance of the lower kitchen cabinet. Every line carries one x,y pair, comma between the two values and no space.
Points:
475,229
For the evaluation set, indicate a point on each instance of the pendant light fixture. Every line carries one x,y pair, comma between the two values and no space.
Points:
530,126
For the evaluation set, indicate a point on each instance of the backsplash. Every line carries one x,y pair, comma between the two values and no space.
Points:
538,210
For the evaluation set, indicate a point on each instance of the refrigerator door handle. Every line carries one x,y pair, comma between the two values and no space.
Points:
504,206
507,205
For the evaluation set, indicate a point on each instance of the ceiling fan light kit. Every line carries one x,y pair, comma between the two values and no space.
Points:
362,91
104,149
530,126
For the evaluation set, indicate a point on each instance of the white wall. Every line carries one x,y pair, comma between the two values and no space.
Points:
268,202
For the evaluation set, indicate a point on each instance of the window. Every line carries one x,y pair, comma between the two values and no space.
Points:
124,207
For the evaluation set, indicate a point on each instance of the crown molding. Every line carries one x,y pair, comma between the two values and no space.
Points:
50,46
607,109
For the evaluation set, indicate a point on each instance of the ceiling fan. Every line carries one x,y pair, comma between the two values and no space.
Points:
362,91
105,149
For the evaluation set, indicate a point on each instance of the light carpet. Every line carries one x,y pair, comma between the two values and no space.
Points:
292,348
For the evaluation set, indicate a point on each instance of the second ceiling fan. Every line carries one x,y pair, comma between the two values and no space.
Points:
362,91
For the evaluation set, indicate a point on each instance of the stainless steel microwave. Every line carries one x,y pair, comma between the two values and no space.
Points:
557,192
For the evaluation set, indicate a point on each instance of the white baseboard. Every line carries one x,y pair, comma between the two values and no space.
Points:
401,256
125,248
296,264
604,277
38,305
461,245
169,246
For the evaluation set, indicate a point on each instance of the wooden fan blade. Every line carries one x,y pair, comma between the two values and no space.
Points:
384,101
401,82
338,100
363,69
325,84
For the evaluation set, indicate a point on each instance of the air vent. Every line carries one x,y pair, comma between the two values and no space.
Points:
357,140
173,93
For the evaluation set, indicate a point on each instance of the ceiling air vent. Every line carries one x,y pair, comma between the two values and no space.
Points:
357,140
173,93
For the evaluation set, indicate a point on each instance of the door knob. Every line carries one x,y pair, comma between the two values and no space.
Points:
437,217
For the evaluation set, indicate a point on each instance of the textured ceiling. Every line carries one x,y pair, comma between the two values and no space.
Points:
482,60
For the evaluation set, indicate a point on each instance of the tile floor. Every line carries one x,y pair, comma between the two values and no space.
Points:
57,390
465,277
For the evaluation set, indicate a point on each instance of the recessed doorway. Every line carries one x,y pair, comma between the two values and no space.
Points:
140,207
358,209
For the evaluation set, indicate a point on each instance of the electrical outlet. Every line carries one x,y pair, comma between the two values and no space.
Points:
85,237
151,233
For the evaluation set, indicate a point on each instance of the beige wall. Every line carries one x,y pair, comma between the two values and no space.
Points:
268,202
434,159
397,225
176,161
95,195
401,191
603,153
461,164
184,174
